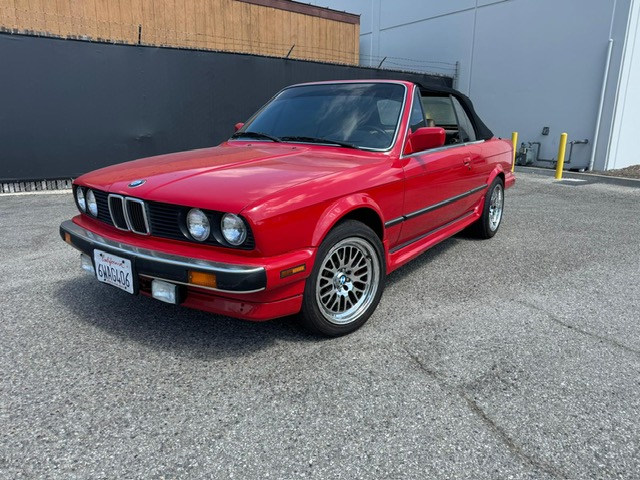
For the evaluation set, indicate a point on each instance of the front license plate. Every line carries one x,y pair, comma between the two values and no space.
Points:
113,270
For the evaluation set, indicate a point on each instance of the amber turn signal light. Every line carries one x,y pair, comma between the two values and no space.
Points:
292,271
203,279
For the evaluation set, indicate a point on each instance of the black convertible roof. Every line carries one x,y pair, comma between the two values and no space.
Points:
482,130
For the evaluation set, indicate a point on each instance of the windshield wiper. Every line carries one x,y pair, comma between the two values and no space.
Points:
319,140
256,135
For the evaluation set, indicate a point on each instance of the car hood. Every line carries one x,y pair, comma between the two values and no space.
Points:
224,178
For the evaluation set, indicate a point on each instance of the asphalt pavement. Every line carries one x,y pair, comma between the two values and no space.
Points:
516,357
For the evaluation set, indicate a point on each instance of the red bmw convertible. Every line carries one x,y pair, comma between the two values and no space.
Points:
323,192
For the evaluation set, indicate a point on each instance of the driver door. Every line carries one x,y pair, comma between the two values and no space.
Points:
433,178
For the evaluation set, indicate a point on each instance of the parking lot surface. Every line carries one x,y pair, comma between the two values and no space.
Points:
517,357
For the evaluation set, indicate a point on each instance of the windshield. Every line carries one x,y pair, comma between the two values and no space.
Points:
356,115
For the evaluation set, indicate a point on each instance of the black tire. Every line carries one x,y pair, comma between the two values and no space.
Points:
489,222
347,280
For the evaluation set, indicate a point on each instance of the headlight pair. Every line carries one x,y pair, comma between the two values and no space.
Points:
232,227
87,201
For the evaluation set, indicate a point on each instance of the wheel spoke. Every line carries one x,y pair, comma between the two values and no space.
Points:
336,301
360,275
325,278
331,264
350,299
355,260
326,292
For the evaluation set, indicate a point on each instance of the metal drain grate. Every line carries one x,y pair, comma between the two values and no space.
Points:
36,186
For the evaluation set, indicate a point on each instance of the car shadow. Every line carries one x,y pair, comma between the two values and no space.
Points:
169,327
194,333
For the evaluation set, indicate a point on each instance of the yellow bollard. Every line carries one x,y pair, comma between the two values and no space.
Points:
514,142
561,151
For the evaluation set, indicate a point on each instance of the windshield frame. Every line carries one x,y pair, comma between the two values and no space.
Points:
329,144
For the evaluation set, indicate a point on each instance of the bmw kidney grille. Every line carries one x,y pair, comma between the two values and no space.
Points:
129,213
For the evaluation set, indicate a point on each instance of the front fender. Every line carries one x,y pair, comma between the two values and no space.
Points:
338,210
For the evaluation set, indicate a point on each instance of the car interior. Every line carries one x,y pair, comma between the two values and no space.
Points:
446,111
439,112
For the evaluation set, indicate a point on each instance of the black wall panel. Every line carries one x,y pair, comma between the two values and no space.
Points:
67,107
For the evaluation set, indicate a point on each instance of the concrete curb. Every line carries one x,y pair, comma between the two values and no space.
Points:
587,177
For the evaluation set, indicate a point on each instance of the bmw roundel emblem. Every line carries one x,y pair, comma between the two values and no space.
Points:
136,183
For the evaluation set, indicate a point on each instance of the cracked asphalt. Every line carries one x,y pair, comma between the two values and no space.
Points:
517,357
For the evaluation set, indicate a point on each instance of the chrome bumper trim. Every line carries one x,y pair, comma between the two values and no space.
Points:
160,257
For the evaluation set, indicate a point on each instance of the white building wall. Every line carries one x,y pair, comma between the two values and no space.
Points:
623,149
526,64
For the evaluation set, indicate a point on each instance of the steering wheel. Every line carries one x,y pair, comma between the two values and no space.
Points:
373,128
370,136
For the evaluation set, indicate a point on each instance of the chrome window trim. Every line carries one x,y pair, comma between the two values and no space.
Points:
365,149
454,100
441,149
393,143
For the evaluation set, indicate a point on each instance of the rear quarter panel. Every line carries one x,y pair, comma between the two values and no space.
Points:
497,154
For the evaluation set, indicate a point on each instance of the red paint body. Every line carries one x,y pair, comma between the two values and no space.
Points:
292,194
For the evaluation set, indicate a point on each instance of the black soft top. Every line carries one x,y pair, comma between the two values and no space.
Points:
482,130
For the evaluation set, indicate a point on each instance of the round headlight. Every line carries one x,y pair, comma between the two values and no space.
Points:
234,229
80,198
198,224
92,206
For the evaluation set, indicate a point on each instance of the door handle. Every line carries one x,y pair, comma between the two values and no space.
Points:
467,162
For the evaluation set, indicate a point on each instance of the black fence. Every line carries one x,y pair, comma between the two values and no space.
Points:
67,107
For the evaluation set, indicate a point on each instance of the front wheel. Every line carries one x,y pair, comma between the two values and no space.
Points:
347,280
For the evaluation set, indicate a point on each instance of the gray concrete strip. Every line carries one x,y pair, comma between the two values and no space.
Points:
583,176
66,191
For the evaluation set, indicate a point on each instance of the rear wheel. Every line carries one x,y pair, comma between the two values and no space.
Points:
347,280
487,225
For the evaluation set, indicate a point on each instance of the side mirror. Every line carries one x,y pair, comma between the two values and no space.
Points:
425,138
238,126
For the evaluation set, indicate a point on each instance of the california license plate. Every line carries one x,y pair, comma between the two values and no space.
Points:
113,270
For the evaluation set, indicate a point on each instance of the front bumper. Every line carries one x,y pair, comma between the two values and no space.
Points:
241,290
238,279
